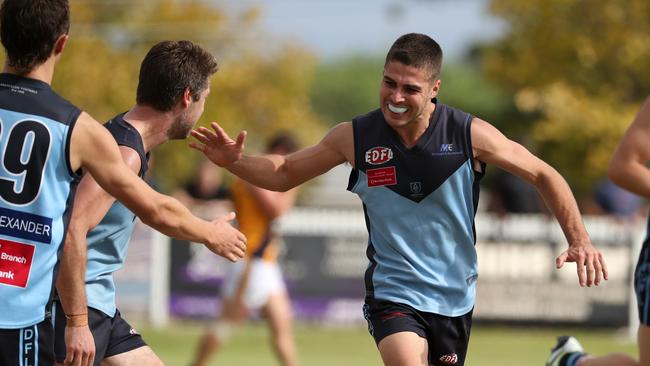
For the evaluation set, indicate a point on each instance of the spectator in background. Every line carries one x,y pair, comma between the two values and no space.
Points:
206,194
257,284
512,194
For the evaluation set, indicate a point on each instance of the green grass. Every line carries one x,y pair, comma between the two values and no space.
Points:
489,345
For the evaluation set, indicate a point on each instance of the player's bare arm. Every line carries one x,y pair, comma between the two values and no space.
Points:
492,147
628,166
70,283
159,211
90,206
276,172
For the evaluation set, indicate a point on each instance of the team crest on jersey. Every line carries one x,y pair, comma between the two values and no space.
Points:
416,187
379,155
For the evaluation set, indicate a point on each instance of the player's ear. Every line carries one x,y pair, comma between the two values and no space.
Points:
186,100
435,88
60,43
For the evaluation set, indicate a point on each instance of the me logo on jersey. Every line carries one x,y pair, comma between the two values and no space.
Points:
446,148
379,155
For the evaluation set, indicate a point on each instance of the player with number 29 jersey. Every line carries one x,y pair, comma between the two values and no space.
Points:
36,191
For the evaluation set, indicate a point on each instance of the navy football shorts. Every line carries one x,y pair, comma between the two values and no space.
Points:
31,345
642,283
113,335
447,337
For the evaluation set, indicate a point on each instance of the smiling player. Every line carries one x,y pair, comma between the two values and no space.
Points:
416,164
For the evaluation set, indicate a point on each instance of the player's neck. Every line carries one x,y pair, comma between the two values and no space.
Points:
43,72
151,124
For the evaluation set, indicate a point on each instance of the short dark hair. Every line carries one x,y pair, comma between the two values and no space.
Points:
283,140
29,29
168,68
419,50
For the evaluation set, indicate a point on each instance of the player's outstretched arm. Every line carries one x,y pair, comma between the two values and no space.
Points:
492,147
628,166
276,172
90,140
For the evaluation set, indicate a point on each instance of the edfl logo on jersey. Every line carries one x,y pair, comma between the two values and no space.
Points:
450,359
379,155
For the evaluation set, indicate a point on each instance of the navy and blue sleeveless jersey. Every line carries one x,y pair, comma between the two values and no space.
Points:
108,242
419,204
37,188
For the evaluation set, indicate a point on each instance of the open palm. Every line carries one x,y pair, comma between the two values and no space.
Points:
217,146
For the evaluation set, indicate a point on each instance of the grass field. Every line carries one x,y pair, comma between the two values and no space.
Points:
489,345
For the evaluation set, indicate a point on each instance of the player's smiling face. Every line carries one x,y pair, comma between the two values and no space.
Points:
406,93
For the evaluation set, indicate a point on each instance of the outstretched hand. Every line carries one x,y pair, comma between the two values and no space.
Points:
217,145
228,242
590,263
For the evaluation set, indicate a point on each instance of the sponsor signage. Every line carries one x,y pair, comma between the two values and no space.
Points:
381,177
25,226
15,263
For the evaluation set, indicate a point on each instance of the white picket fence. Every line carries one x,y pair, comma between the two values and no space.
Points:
517,282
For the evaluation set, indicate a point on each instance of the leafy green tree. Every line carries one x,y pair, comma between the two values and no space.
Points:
259,88
579,69
464,86
347,87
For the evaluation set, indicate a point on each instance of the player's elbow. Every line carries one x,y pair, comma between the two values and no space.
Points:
616,173
279,184
545,178
76,233
274,213
285,179
282,187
